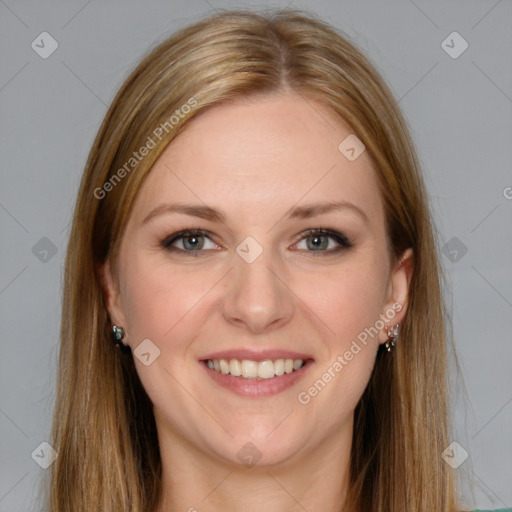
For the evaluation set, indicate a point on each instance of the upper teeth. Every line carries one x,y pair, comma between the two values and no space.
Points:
254,369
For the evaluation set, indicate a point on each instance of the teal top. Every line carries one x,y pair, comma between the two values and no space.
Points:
497,510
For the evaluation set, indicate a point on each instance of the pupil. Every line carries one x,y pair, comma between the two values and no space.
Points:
317,241
193,241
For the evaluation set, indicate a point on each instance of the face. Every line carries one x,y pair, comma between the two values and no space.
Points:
264,273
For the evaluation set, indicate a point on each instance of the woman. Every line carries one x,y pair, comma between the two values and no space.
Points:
247,372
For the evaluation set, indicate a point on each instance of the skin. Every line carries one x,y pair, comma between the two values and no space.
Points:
254,159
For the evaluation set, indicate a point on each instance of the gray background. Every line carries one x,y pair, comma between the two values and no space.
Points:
459,110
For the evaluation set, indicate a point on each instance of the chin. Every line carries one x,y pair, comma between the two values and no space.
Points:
262,451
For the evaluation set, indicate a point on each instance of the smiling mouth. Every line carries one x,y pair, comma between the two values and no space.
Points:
256,370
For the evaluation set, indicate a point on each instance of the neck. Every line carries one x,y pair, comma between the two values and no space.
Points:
315,478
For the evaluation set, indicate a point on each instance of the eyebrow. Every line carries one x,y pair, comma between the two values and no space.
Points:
298,212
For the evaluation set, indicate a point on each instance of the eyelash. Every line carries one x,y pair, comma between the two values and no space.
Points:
339,238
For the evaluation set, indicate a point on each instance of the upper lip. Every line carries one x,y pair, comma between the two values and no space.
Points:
253,355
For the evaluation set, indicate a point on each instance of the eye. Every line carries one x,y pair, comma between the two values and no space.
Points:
191,242
194,241
318,241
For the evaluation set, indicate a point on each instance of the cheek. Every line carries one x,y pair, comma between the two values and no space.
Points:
348,298
159,297
349,302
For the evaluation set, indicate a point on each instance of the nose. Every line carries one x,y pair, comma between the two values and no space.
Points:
257,297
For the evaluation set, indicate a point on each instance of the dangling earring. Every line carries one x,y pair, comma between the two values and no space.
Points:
392,335
117,335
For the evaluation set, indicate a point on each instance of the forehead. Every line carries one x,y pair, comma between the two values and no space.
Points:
268,153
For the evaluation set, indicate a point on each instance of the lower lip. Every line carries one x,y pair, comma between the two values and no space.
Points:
254,387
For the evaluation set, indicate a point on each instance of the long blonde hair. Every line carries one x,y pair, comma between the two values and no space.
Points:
103,427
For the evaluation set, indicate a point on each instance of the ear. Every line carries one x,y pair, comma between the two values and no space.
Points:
112,295
397,293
